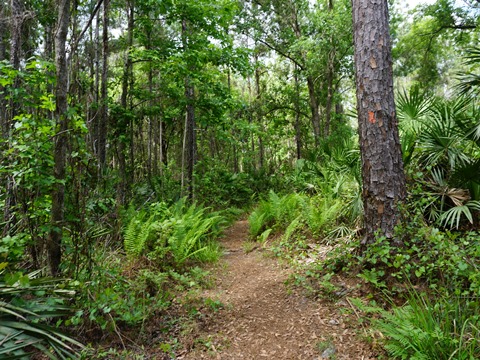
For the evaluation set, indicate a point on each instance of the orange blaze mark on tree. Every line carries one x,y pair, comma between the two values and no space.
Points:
371,117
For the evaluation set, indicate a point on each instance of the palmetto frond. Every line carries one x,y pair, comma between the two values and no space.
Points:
441,142
469,82
22,322
412,106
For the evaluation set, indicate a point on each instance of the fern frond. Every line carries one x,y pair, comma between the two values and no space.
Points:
136,234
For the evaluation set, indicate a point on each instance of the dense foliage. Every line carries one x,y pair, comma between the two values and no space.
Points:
182,115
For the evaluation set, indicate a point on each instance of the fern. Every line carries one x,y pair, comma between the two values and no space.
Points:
189,232
257,222
294,225
322,214
423,330
264,236
136,234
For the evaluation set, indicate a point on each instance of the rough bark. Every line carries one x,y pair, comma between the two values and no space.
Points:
382,166
61,89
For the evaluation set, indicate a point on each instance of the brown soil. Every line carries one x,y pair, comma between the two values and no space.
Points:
262,318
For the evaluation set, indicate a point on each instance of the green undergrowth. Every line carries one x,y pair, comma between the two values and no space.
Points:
429,288
28,304
425,327
297,215
422,297
160,270
172,235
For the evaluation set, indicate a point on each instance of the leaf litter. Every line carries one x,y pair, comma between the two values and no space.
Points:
262,318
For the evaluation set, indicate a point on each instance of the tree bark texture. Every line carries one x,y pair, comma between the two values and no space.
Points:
61,138
382,166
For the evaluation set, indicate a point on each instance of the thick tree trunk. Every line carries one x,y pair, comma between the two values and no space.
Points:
58,193
382,166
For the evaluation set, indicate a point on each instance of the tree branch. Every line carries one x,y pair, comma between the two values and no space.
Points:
87,25
285,55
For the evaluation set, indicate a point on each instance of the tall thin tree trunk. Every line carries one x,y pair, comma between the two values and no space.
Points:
61,138
312,97
261,148
95,116
103,124
314,108
330,93
191,141
190,137
329,77
16,22
298,129
382,166
3,54
3,30
160,142
121,148
151,122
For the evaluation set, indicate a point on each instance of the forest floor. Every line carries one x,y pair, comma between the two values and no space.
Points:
259,317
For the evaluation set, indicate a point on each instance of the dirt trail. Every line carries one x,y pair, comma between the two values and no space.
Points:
262,319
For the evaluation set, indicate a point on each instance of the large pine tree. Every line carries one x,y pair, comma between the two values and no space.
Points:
382,166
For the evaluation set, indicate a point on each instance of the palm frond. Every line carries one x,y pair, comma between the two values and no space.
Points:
22,322
452,217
